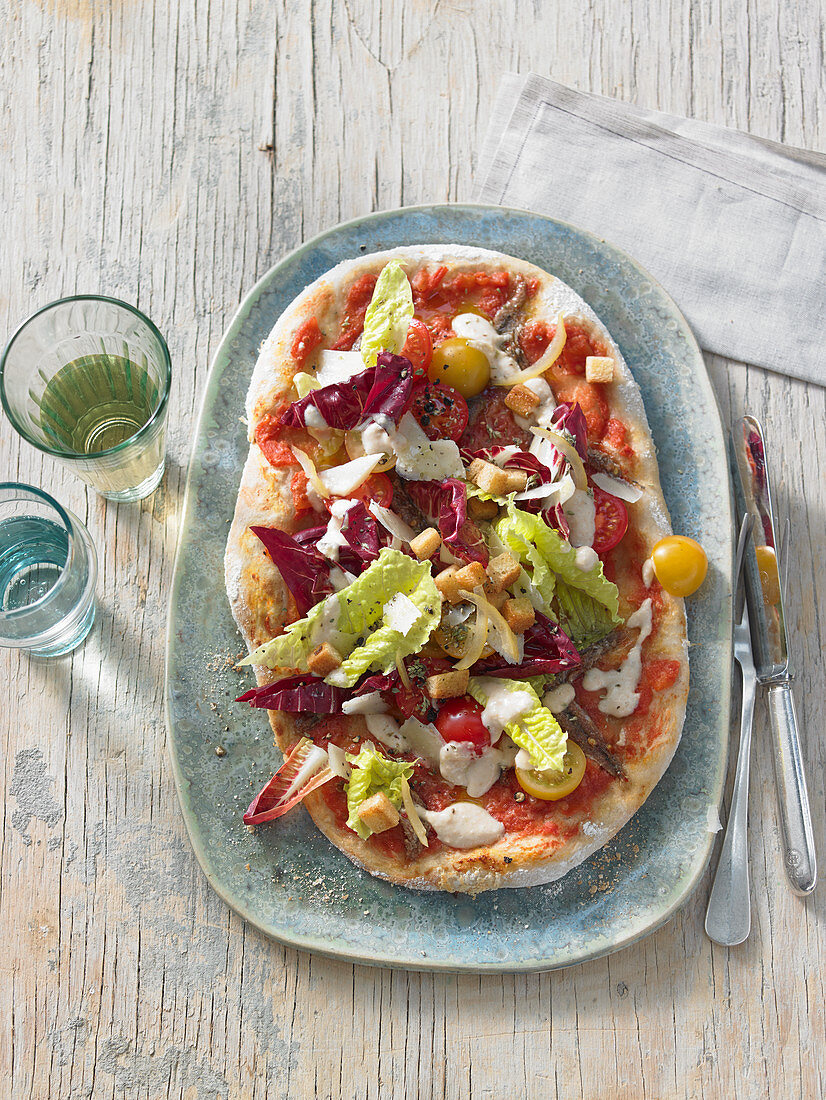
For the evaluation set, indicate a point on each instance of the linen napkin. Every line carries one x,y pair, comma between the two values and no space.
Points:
733,226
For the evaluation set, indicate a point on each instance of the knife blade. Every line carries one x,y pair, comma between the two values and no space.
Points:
762,571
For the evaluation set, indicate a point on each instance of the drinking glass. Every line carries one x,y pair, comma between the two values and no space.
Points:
86,379
48,568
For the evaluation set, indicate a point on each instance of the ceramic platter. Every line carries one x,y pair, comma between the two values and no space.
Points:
287,879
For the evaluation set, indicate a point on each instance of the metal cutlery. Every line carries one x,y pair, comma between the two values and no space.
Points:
728,917
762,573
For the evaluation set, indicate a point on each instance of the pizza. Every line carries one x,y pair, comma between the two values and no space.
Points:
441,563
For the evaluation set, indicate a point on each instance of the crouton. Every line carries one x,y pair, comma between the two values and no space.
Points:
469,576
447,685
521,400
519,614
446,583
482,509
488,477
378,813
503,571
599,368
496,598
323,660
426,544
517,480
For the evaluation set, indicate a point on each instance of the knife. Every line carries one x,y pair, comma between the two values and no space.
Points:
764,593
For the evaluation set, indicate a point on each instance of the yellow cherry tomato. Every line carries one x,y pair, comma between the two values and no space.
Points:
680,564
769,579
355,449
457,364
551,786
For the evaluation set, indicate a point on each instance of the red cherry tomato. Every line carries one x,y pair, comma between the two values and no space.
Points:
377,487
441,411
418,348
611,520
460,719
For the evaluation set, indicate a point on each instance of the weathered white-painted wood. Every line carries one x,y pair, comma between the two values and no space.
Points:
168,154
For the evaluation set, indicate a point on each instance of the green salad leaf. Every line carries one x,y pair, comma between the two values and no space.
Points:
583,598
389,314
372,773
352,621
537,732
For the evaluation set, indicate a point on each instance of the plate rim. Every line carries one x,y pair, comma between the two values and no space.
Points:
308,942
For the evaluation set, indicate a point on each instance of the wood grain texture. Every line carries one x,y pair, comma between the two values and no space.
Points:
168,153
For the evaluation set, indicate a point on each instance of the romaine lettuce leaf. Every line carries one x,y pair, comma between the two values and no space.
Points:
582,618
372,772
389,314
352,621
552,557
537,732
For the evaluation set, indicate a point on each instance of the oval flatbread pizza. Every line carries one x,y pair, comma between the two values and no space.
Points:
440,562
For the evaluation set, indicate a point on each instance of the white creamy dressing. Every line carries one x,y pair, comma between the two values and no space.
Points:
374,433
314,419
503,706
314,762
648,573
464,825
480,333
585,558
558,698
620,685
332,540
580,513
386,729
460,765
371,703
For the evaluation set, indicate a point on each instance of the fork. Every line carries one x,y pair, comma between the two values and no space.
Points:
728,917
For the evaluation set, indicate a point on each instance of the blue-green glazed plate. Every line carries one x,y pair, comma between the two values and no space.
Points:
287,879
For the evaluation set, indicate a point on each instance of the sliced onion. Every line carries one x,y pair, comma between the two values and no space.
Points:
413,814
308,466
391,522
402,670
343,480
545,361
569,450
617,488
507,639
476,642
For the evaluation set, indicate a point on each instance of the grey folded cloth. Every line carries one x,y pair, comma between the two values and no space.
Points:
733,226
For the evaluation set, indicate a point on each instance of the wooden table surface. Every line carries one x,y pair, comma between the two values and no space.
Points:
168,154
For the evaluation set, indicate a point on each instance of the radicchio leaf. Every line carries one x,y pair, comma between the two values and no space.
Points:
274,800
298,694
305,572
362,533
445,504
384,389
548,649
569,417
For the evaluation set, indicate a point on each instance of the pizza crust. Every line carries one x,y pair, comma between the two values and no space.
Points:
260,603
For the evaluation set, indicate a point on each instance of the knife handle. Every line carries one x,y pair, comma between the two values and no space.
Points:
793,798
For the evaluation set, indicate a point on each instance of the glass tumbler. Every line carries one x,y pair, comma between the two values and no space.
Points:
86,379
48,569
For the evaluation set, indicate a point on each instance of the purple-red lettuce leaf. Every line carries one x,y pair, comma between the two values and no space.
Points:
548,650
305,572
362,533
298,694
444,503
384,389
569,417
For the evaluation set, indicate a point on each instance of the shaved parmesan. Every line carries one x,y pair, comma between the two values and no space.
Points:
342,480
371,703
422,459
338,366
338,761
562,490
401,613
386,729
617,488
391,522
424,740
